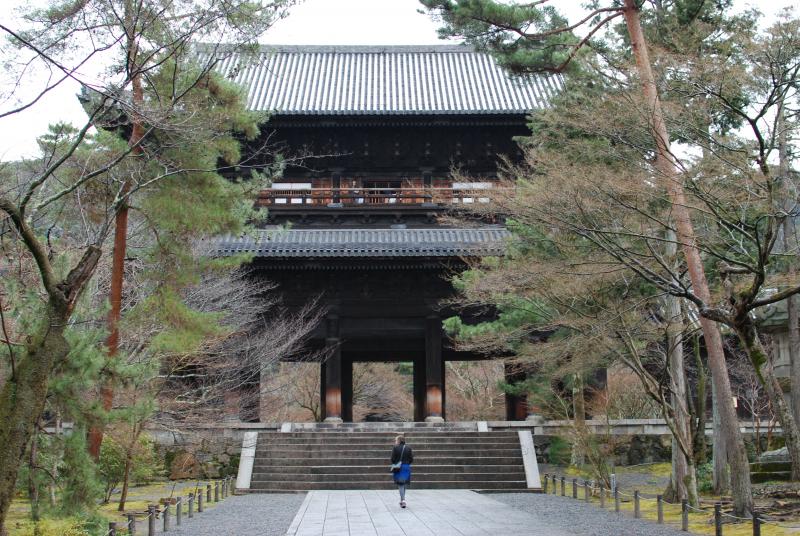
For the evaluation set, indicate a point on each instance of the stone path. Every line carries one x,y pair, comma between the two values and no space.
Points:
429,513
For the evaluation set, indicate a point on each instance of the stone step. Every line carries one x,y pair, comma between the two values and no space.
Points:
417,475
382,453
384,468
510,485
390,435
357,457
339,438
384,426
433,460
769,476
767,467
369,443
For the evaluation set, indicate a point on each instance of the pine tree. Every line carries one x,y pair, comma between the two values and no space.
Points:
148,53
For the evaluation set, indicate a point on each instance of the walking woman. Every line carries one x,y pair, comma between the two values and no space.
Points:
402,458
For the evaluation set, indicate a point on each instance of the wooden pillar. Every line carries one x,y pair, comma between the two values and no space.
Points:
333,372
336,184
516,405
420,388
347,389
434,370
322,391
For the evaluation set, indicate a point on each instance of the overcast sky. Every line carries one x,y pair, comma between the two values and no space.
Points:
313,22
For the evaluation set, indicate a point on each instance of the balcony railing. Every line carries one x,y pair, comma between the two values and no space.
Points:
333,197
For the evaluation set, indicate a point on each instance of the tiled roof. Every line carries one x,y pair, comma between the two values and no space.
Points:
388,80
277,243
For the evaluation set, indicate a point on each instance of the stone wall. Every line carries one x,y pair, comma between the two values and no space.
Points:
202,452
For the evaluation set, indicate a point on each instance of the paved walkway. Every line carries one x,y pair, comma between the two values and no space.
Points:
429,513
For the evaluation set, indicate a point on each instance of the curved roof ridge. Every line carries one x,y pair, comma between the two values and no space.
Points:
367,49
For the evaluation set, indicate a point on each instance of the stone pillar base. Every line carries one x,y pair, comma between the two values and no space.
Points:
534,419
334,420
434,419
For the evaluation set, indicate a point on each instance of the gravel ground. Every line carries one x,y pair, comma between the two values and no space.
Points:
254,514
581,519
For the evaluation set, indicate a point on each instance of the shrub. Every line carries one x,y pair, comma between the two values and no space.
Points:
559,452
144,465
705,475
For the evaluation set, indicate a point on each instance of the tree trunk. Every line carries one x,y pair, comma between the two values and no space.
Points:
120,229
790,243
677,375
690,483
666,165
123,497
33,489
721,476
747,333
579,413
794,344
51,486
23,397
700,442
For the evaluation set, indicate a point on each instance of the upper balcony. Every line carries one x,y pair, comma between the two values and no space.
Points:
377,198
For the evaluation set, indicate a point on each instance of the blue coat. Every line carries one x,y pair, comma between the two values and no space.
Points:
403,476
404,454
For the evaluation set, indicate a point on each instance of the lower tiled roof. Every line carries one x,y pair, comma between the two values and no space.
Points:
441,242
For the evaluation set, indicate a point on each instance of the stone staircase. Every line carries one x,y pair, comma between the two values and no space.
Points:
445,457
778,471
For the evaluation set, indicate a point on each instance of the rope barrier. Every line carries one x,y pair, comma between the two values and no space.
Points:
683,509
731,516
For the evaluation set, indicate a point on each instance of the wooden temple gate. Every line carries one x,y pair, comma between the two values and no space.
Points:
358,225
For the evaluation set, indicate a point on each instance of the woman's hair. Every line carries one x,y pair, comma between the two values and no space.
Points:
401,439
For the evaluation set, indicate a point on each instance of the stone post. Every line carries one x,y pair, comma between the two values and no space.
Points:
684,515
165,517
151,520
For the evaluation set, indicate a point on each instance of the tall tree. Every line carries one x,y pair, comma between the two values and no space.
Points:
149,41
534,37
